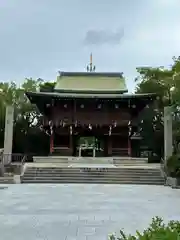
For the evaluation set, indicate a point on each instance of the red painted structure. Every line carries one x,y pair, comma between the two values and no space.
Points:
109,116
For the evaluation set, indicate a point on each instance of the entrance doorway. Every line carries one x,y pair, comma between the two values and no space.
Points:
88,146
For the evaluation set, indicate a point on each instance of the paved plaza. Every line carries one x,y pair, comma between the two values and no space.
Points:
78,212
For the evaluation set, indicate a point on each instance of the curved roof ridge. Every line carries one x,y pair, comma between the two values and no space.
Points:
90,74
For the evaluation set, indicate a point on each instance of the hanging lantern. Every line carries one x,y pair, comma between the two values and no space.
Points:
50,123
90,127
76,123
51,126
110,130
155,119
130,131
51,130
140,130
99,106
47,133
70,130
130,128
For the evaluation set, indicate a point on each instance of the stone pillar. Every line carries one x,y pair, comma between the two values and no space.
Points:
8,134
168,141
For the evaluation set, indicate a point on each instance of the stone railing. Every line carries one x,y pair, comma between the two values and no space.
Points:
164,169
11,163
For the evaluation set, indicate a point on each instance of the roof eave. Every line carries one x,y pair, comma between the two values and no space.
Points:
90,95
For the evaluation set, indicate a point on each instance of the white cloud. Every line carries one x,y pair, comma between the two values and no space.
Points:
100,37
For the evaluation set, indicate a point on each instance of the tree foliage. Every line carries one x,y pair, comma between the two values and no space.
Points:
165,82
27,137
157,230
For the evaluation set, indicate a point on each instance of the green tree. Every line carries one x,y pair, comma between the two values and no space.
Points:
166,84
26,116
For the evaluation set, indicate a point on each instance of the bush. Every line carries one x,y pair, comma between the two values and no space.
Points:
173,166
156,230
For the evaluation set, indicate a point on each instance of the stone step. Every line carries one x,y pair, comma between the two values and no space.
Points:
6,180
94,169
92,174
91,177
94,182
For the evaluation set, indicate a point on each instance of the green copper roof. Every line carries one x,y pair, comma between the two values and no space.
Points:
90,82
142,96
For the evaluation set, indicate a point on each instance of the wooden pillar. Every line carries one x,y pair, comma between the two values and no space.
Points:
129,138
71,144
71,140
129,147
51,136
51,143
130,128
109,145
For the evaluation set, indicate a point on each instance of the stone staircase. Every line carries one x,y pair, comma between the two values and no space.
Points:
93,175
7,179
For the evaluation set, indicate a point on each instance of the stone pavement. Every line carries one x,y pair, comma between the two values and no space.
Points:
79,212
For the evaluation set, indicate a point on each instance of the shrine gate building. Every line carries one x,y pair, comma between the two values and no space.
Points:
91,114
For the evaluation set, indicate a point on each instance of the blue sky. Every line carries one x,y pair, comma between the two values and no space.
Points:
40,37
